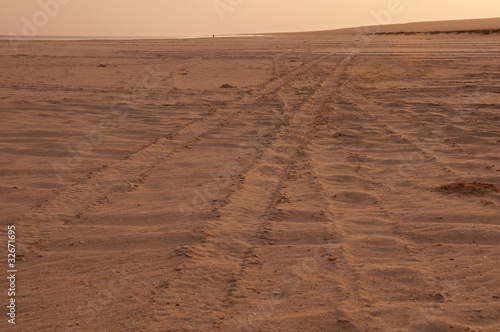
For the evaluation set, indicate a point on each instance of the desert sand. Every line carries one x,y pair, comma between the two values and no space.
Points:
380,18
273,183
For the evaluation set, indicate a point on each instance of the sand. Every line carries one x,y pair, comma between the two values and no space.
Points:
277,183
380,18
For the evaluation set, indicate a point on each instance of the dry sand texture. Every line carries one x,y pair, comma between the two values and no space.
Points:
279,183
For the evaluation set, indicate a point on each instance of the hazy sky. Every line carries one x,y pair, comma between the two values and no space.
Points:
206,17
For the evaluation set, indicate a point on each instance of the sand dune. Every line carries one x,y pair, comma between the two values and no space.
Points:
452,25
279,183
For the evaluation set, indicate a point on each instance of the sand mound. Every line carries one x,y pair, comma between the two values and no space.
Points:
469,188
421,27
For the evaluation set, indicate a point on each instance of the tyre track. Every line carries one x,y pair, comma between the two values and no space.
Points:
278,61
429,148
73,201
383,219
218,265
362,222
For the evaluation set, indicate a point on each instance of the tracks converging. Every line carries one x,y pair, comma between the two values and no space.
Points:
301,202
219,264
76,199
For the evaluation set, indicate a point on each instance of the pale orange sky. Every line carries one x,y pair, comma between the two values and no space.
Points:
201,17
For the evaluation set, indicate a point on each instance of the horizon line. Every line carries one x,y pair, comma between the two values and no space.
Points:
226,35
